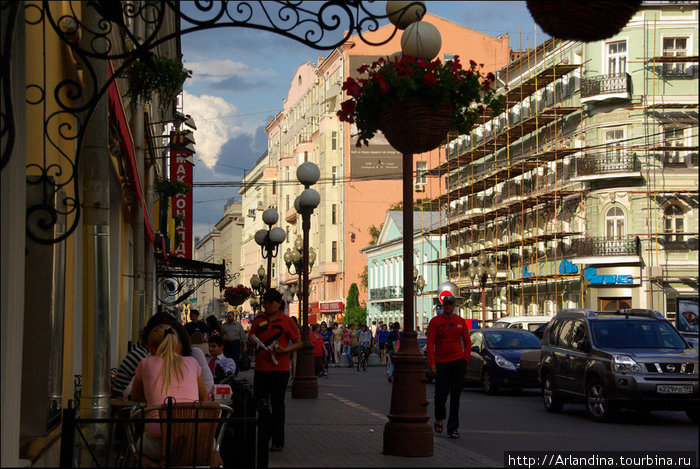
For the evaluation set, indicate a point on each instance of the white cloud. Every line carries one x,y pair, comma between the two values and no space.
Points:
218,70
213,131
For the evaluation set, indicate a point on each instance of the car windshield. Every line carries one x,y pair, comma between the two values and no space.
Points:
631,333
511,340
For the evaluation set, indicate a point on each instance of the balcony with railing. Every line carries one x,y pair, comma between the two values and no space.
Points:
386,293
607,166
603,250
602,87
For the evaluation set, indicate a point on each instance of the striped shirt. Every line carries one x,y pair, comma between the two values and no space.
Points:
127,368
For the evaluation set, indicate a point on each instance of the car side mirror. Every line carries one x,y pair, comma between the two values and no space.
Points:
476,349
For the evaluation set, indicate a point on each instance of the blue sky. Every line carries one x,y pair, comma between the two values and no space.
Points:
241,76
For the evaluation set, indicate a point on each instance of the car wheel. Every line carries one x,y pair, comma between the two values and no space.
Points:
598,407
552,402
692,415
487,383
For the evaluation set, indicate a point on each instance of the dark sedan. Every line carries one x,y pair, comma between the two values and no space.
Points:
495,360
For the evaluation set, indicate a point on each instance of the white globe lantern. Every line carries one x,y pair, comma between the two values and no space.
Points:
278,235
297,204
310,199
270,216
260,236
421,39
402,15
308,173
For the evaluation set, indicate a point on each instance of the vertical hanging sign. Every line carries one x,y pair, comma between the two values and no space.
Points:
181,170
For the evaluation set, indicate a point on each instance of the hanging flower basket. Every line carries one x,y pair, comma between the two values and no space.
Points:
587,21
416,102
415,125
236,296
156,74
170,187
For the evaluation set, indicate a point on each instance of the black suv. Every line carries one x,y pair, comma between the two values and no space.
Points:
631,358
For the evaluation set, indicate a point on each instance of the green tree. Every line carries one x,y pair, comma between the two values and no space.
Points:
364,278
354,313
420,205
374,233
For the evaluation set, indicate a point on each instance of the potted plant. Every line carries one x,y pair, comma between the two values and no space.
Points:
167,188
156,74
415,102
237,295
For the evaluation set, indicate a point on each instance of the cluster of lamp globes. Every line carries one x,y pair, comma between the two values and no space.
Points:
293,257
484,267
419,38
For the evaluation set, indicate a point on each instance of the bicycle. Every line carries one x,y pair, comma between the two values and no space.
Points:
362,359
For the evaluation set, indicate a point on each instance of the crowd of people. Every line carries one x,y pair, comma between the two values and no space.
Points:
185,361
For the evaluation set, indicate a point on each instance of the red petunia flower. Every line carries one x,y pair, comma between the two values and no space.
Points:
429,79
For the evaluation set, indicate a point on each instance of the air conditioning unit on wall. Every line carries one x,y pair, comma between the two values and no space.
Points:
419,187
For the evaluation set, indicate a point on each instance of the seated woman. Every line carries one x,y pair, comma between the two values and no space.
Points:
162,374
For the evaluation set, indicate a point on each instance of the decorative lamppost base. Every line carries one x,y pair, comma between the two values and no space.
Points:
305,385
408,432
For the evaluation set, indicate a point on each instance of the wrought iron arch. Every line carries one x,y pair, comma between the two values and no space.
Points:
324,28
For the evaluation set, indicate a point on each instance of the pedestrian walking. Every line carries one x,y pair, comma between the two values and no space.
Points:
346,337
337,343
449,350
326,336
380,340
234,339
317,342
214,326
393,342
195,325
280,336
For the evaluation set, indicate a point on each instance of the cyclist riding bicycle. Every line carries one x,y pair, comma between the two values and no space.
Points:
364,339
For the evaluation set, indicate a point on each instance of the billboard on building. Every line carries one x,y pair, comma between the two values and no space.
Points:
181,170
379,158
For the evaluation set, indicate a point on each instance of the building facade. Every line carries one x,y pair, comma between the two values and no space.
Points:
584,192
385,269
357,185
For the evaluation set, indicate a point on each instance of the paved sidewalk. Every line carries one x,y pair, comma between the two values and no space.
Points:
354,442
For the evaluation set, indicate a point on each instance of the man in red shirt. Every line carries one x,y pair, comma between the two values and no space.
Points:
272,374
449,349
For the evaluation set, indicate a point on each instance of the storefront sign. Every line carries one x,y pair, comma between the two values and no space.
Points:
332,307
181,170
567,267
594,278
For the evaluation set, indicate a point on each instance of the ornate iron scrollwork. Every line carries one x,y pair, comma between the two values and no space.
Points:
66,109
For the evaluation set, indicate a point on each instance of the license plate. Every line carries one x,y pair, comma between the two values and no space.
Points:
674,388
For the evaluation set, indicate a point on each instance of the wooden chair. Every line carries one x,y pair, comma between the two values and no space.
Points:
186,438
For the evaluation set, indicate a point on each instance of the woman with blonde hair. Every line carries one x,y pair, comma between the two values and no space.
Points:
165,373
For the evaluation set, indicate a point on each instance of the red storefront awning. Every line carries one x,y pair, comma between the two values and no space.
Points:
127,146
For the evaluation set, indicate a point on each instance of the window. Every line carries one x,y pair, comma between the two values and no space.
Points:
334,251
674,223
674,137
617,57
421,178
334,214
613,143
674,47
615,223
334,176
563,337
447,57
306,156
334,140
274,187
287,202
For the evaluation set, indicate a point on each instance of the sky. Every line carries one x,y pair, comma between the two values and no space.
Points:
240,76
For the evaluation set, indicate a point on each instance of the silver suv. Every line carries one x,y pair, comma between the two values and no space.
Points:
632,358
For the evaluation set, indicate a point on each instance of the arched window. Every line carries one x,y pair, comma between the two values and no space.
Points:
615,223
674,223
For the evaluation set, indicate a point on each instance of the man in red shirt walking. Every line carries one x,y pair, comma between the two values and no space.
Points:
449,349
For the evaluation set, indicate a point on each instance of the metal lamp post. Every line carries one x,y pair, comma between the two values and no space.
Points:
293,261
481,272
305,385
269,240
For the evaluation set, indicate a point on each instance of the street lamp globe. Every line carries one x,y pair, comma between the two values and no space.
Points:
420,283
308,173
261,272
401,16
309,199
480,270
471,271
298,243
287,257
421,39
312,257
296,256
277,234
297,204
260,236
270,216
255,281
492,270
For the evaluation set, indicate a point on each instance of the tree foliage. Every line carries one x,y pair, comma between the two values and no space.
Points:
374,233
354,313
419,205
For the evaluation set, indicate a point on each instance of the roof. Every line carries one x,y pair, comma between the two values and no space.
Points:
421,220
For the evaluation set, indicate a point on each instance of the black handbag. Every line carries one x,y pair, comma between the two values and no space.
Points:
244,362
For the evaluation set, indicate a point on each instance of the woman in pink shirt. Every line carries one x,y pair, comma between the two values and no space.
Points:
165,373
